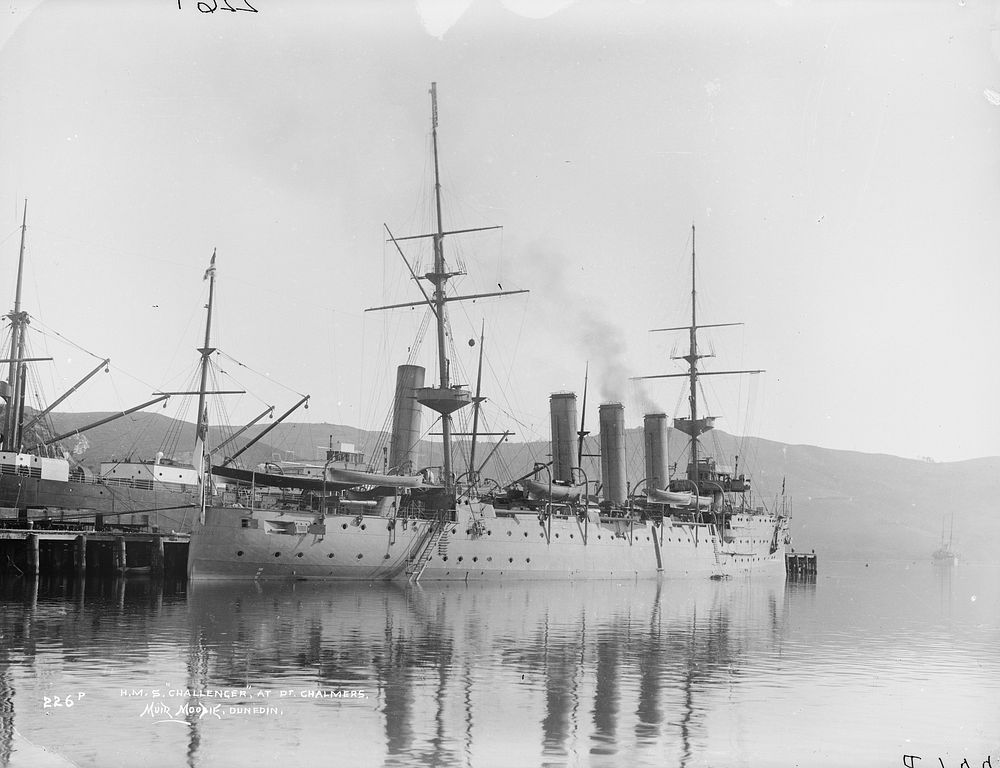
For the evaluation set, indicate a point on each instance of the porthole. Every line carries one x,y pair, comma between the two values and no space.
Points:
489,559
277,554
363,526
571,535
508,533
557,535
460,558
239,553
527,559
330,555
454,529
475,559
489,533
510,559
444,558
525,534
298,554
386,557
344,526
360,556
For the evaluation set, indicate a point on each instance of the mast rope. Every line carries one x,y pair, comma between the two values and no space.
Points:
10,234
44,330
229,357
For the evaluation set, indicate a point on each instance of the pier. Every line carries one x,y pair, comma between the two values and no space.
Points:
800,564
43,551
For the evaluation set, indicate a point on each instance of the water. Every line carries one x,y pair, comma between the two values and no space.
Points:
862,667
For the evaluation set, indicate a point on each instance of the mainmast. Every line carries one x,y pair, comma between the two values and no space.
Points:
18,320
693,426
692,359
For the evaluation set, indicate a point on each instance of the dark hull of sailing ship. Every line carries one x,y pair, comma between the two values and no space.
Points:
40,486
38,483
407,527
163,507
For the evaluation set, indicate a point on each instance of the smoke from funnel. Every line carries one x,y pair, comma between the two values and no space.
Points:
601,341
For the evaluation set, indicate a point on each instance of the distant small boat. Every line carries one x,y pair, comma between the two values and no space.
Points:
944,554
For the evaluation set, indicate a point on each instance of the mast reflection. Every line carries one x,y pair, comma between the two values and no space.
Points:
561,670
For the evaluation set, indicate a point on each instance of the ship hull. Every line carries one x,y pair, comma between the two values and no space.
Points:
480,545
70,501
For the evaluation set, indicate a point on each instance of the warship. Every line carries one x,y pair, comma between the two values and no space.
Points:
339,519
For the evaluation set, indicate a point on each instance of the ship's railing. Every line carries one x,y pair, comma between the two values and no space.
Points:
19,469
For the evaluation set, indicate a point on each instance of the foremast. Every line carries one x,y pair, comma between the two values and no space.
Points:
445,400
447,397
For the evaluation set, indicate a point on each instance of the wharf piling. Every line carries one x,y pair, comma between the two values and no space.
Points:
33,551
41,552
80,554
800,564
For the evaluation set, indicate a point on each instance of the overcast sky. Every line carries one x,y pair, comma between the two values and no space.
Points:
841,162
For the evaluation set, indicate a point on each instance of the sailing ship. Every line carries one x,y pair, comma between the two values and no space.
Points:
42,485
944,555
349,524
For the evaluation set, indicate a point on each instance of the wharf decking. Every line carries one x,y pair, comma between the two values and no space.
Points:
34,550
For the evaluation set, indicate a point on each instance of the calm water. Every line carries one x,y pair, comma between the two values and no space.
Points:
863,666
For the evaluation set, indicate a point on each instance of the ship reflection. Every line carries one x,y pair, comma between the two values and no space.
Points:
562,670
452,674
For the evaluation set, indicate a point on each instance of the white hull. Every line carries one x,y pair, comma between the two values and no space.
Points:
480,545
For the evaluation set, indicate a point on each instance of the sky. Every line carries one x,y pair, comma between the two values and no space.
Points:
840,162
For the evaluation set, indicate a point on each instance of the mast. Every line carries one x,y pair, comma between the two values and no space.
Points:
582,432
445,398
440,279
17,322
693,426
693,365
201,433
476,401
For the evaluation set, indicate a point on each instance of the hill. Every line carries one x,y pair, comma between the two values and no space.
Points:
845,504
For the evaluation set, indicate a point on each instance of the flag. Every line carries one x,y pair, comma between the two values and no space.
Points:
201,436
210,272
198,459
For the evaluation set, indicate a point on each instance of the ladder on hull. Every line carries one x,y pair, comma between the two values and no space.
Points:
415,569
715,548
